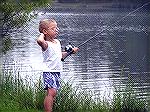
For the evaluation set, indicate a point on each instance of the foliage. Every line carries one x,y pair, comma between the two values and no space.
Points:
15,13
17,94
22,96
6,45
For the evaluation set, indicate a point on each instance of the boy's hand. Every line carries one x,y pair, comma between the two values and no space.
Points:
66,54
75,50
41,41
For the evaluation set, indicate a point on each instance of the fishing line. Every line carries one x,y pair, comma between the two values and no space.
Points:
113,24
69,53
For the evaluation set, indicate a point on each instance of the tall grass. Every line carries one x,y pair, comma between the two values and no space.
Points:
17,94
22,96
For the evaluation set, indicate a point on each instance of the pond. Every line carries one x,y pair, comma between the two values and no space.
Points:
119,53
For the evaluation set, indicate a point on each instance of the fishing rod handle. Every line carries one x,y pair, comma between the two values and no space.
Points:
68,53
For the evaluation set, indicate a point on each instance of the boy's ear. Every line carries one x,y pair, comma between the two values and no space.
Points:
44,31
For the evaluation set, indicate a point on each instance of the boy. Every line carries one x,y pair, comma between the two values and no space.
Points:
51,50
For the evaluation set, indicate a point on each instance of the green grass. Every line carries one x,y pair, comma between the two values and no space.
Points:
22,96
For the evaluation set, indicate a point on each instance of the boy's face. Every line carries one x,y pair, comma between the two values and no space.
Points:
52,30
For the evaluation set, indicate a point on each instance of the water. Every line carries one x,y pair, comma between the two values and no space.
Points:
103,63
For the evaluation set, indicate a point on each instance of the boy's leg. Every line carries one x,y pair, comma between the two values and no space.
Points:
51,84
49,98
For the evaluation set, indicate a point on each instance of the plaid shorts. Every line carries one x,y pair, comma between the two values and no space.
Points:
51,80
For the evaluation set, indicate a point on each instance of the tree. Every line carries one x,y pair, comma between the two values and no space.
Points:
15,13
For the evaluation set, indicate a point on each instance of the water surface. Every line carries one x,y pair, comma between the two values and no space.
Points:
105,62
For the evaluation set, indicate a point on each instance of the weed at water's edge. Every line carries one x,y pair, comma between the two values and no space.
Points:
18,95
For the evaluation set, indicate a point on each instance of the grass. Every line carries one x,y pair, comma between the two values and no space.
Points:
22,96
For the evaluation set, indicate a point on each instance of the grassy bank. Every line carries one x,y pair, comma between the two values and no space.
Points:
22,96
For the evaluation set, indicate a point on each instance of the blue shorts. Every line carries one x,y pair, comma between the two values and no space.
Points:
51,80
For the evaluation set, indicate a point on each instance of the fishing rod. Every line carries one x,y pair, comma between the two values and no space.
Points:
69,48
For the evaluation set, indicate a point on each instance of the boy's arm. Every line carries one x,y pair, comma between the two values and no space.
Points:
41,42
64,54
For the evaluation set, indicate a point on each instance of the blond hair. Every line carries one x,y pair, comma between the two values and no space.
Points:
44,24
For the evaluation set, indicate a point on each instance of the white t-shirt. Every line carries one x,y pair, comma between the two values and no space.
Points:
52,57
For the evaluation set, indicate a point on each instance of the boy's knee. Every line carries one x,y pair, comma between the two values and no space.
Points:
51,92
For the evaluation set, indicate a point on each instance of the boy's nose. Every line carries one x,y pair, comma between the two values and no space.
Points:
57,29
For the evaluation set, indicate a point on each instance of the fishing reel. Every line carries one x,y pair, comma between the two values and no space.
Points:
69,48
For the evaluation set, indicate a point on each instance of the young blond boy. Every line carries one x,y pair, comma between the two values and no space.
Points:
51,50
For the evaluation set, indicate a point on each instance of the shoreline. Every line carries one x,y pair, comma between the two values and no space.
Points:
93,7
99,4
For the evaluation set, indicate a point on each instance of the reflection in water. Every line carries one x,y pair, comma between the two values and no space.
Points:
102,63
